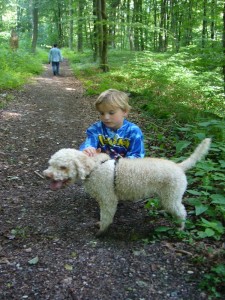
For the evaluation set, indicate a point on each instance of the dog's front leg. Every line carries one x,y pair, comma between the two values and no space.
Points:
107,212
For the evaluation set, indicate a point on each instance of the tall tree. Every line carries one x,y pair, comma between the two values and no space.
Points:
137,25
95,32
101,33
104,52
189,24
60,23
80,26
130,27
99,26
212,24
155,23
224,45
162,30
204,23
35,24
71,11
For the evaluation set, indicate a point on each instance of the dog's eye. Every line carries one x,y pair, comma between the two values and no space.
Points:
63,168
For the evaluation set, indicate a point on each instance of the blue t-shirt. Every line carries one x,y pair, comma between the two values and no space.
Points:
127,141
55,55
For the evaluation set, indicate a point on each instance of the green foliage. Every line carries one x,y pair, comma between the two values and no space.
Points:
213,282
80,59
19,232
204,198
164,85
5,98
19,66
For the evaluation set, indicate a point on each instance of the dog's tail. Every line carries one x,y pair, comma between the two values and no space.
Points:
196,156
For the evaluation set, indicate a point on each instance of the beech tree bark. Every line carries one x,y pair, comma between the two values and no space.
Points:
35,25
224,45
80,26
104,53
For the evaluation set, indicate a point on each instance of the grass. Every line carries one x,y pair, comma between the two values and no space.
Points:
18,66
162,84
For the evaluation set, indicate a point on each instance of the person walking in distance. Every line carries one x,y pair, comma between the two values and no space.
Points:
55,57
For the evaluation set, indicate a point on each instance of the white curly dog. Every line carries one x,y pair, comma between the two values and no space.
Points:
110,181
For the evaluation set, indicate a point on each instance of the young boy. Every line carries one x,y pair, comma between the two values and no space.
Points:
114,135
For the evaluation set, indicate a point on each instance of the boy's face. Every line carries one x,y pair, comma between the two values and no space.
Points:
111,116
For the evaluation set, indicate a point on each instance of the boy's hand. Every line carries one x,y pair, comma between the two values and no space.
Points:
90,151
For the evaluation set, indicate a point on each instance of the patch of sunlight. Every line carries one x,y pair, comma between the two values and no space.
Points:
70,89
7,115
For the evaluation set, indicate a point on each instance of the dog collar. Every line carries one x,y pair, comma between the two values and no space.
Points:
102,162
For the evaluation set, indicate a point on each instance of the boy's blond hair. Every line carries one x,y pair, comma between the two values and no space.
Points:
114,98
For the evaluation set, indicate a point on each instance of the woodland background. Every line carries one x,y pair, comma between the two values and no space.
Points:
185,36
169,55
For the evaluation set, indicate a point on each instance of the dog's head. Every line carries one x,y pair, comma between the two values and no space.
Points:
68,165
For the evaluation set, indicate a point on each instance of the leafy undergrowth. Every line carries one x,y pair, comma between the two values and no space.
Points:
165,84
17,67
179,104
204,199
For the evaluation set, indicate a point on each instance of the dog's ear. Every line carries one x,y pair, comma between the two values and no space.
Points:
84,166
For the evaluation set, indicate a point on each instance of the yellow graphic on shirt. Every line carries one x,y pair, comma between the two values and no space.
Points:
114,142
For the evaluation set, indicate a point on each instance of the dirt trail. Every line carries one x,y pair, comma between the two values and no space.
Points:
48,247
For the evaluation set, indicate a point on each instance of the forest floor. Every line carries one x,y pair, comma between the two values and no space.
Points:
48,248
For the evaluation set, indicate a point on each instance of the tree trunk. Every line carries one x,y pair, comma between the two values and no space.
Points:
99,26
155,36
71,24
14,40
212,25
174,24
136,24
104,53
162,26
95,33
80,26
141,32
188,37
224,45
204,24
129,30
59,25
114,29
35,25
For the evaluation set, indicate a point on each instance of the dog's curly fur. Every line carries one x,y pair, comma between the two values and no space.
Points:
110,181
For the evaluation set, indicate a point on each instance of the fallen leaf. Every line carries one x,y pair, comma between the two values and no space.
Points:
68,267
34,261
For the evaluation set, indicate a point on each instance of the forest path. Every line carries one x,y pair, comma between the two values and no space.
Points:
48,246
